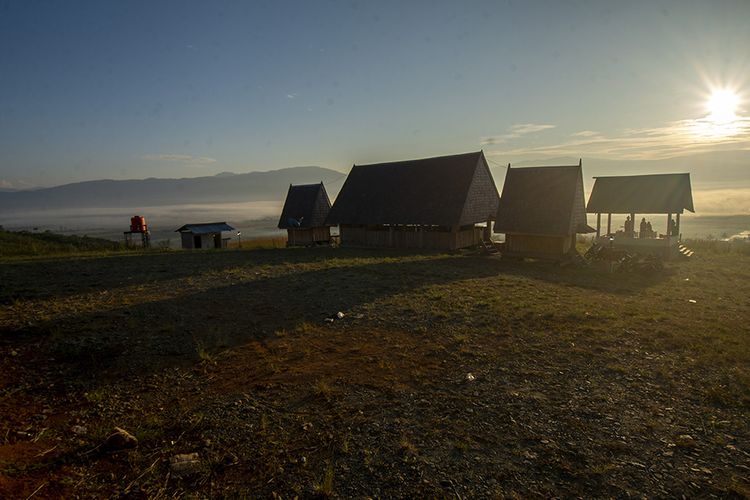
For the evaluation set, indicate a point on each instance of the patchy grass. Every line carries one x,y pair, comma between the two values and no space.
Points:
25,244
583,383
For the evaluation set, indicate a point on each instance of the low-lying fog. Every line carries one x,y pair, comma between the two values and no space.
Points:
721,214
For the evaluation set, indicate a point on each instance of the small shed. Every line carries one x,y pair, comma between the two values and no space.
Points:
304,215
541,211
430,203
204,235
664,194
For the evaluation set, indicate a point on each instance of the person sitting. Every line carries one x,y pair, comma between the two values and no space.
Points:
672,227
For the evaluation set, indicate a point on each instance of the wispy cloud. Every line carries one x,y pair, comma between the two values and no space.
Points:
178,158
585,133
514,132
292,96
677,138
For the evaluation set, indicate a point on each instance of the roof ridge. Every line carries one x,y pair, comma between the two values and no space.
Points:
419,159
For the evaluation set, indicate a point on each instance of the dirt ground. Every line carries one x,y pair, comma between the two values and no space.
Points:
448,376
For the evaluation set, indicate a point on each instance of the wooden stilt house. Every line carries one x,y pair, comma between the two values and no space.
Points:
304,215
431,203
541,211
631,195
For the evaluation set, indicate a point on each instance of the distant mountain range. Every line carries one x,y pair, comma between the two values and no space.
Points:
225,187
717,170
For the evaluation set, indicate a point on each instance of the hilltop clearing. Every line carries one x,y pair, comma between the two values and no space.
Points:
448,375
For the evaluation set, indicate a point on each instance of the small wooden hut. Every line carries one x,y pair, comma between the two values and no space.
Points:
663,194
204,235
304,215
541,211
431,203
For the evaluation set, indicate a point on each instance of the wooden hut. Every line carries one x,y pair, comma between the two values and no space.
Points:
431,203
304,215
204,235
663,194
541,211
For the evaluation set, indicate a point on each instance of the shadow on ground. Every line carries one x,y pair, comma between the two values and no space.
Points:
151,336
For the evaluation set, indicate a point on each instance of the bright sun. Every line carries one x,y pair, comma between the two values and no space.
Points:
722,106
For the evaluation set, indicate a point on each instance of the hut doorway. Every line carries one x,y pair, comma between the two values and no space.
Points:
197,241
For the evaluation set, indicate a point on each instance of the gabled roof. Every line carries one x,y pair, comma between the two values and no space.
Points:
306,206
205,228
642,194
440,191
542,201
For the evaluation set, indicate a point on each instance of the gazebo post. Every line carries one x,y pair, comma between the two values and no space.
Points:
609,224
598,224
632,225
679,234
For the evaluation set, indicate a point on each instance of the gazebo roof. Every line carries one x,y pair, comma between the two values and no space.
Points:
642,194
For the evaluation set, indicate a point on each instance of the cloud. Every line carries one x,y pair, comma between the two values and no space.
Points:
514,132
585,133
291,96
677,138
177,158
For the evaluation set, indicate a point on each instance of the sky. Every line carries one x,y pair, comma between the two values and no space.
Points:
112,89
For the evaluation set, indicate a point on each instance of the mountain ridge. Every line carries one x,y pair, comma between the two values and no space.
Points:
221,188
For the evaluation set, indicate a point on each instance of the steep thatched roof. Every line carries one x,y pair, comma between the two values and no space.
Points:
642,194
441,191
542,201
306,206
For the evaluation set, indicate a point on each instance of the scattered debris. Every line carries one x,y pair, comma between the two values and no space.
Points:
334,317
470,377
692,301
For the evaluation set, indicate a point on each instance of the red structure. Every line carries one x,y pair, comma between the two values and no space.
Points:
138,226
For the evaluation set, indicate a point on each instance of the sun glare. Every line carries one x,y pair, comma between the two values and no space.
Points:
722,106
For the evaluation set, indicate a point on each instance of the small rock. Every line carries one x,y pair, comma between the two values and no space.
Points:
685,441
470,377
340,315
14,353
184,463
79,429
120,439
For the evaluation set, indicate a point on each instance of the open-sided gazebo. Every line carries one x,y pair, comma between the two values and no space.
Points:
663,194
